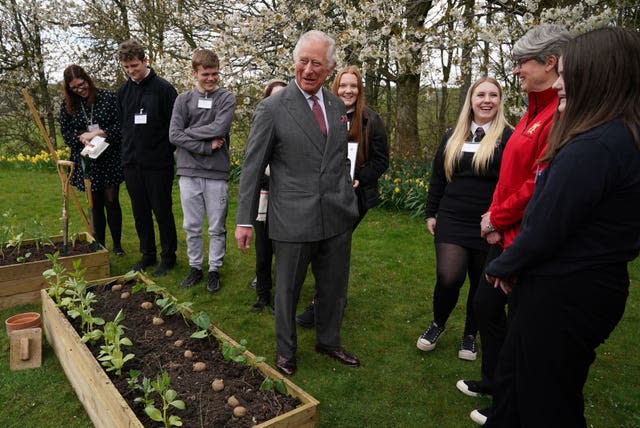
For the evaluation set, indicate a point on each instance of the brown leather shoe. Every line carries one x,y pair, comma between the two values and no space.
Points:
286,366
341,355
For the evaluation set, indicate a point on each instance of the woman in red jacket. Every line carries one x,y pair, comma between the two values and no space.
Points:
536,65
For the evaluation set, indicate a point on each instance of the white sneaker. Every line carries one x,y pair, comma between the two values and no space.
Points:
479,416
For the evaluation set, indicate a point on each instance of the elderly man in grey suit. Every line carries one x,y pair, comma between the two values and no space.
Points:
301,132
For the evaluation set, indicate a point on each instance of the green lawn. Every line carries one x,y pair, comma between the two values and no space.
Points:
392,276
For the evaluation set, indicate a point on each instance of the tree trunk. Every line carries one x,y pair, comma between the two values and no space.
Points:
466,60
407,141
46,103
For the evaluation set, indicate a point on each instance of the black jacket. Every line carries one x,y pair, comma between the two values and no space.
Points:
147,145
376,160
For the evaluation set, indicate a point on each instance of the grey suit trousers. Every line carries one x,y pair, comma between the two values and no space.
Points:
329,259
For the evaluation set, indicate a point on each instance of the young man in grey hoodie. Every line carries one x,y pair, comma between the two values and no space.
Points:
200,126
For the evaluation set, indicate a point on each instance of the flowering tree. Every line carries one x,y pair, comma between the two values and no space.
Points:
418,57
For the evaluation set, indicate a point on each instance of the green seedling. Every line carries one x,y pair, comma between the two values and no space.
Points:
203,321
270,385
56,277
78,301
161,387
111,355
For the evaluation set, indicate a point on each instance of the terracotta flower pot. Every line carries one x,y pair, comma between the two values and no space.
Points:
22,321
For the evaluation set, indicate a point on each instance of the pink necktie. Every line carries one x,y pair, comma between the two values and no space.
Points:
317,113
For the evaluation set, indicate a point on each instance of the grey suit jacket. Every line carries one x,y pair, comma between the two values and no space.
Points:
311,197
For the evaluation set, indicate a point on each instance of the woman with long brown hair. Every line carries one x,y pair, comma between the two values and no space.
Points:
88,112
566,271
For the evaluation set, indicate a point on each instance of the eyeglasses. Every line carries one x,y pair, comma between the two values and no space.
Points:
79,86
522,60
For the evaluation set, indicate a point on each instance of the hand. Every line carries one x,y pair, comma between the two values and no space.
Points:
485,224
431,225
493,237
244,235
505,286
356,183
86,137
217,143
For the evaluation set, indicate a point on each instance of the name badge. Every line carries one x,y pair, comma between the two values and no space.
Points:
205,103
140,119
93,127
470,147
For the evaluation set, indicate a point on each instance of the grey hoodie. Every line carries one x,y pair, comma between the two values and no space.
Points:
192,130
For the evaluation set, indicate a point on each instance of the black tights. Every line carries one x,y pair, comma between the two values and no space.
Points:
107,200
453,262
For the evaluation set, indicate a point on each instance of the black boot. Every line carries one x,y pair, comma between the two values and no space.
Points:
307,319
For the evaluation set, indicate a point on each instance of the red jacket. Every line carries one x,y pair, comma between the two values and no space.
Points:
519,167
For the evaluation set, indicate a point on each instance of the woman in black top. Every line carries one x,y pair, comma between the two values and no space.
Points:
372,159
264,246
464,174
567,269
87,112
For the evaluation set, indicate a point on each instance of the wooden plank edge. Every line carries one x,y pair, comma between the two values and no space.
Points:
100,398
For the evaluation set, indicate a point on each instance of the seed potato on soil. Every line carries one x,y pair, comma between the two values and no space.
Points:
204,406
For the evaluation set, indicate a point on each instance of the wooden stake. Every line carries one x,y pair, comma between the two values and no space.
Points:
54,155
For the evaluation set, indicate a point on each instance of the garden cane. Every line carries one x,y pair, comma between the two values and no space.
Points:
61,164
89,193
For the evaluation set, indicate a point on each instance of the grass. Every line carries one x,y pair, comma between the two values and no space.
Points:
392,276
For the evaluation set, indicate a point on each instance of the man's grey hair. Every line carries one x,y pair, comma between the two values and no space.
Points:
318,35
542,41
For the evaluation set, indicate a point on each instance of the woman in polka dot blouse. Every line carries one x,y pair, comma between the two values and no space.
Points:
87,112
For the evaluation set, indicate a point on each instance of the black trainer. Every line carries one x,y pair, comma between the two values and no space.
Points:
427,341
468,350
307,319
194,277
213,281
260,304
163,268
143,264
473,388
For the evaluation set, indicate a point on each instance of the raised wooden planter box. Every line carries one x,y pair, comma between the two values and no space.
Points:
102,401
21,283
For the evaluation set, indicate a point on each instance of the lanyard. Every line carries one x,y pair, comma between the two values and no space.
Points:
89,120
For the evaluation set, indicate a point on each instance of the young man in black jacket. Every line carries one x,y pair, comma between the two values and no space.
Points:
145,104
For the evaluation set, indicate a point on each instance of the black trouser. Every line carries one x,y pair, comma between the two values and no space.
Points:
453,262
264,255
489,306
150,192
107,199
558,323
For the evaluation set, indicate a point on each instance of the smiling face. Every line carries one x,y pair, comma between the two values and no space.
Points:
348,90
558,85
485,101
535,76
312,67
207,78
79,87
135,68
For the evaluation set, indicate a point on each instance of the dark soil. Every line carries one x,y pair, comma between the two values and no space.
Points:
37,254
154,352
